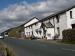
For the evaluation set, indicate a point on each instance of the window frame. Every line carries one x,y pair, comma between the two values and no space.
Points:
58,29
57,18
71,15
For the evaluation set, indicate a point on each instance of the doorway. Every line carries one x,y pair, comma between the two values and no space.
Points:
73,26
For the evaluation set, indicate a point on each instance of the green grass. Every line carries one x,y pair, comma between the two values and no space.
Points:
2,49
6,50
9,52
68,42
58,42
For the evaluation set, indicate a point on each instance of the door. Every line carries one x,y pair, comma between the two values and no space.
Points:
73,26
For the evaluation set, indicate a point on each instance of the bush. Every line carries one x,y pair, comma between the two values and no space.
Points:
9,52
56,36
69,35
5,50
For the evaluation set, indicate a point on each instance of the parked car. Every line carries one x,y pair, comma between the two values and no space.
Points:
1,37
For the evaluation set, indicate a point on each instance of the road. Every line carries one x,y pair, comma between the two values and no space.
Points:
37,48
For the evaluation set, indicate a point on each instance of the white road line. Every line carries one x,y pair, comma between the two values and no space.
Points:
68,49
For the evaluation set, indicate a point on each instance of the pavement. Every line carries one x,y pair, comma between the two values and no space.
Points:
38,48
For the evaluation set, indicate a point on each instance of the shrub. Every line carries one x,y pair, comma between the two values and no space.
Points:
56,36
5,50
69,35
9,52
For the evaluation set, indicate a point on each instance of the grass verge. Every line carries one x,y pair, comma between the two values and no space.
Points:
58,42
5,50
68,42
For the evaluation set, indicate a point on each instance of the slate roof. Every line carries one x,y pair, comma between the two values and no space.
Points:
31,19
50,16
57,13
49,25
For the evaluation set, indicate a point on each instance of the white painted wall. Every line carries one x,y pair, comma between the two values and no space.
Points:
27,30
33,29
50,33
62,24
65,22
70,20
29,27
37,27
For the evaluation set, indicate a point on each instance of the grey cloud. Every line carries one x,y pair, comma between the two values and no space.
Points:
17,14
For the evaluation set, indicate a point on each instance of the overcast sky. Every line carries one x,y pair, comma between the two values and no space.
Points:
16,12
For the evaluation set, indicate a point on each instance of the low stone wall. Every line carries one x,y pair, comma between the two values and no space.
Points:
5,51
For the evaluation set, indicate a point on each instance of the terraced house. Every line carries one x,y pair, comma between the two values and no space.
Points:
52,26
30,27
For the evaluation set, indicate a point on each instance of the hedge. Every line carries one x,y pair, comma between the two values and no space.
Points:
69,35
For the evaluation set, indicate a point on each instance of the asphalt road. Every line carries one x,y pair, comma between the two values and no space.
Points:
37,48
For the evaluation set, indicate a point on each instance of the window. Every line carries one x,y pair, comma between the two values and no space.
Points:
73,26
29,33
57,17
6,33
31,26
35,24
49,35
37,31
40,32
26,33
58,30
70,14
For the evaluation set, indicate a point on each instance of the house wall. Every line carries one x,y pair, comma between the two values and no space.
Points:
29,27
32,27
28,31
50,33
37,27
65,22
62,24
70,21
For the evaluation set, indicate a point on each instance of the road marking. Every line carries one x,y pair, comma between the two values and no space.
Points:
68,49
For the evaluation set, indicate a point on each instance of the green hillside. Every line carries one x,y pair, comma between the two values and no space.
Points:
16,32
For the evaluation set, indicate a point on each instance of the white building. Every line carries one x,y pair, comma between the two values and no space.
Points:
61,20
38,29
32,28
52,25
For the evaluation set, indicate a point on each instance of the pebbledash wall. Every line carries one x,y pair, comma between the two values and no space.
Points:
35,29
29,28
49,28
64,20
61,20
